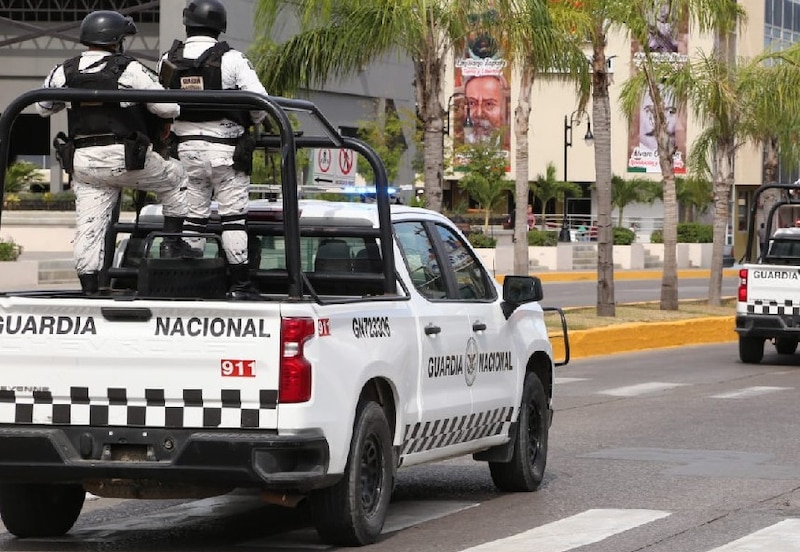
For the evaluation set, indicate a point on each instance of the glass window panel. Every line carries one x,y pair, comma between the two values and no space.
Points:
768,12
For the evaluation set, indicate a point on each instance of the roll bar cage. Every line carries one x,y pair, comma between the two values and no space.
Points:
749,255
285,140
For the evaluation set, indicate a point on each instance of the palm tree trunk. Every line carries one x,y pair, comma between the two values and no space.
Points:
428,76
723,183
522,115
601,113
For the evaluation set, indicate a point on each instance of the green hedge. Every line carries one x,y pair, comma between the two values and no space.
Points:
623,236
479,239
542,237
688,232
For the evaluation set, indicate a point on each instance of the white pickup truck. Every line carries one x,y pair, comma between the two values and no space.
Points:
768,302
381,341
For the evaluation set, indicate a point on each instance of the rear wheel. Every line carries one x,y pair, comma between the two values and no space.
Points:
352,512
525,471
785,345
751,349
40,510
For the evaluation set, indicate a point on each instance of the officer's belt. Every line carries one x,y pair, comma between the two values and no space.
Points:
212,139
100,140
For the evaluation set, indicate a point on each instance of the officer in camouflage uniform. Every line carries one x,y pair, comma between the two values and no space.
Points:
98,133
213,145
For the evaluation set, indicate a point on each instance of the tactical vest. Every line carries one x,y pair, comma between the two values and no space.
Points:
203,73
90,118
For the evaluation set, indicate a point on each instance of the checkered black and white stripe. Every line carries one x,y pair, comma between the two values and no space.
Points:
787,307
435,434
225,408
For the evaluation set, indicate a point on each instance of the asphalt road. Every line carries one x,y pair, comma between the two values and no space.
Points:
580,294
683,450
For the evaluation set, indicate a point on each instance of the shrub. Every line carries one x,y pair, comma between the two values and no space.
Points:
688,232
9,250
479,239
623,236
543,238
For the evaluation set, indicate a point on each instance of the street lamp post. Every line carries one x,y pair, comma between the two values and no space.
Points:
569,122
468,126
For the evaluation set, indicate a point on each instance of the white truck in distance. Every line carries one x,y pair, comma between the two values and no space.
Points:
768,301
381,341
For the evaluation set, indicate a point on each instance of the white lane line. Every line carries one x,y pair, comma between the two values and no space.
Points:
573,532
747,392
568,380
781,537
640,389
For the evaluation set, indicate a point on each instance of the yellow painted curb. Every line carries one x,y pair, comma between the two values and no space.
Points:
630,337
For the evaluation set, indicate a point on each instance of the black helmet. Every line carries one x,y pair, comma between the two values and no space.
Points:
105,28
209,14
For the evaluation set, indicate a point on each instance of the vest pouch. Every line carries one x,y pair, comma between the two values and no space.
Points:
65,151
243,154
136,145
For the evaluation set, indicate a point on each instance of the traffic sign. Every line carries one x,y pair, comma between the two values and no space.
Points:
334,168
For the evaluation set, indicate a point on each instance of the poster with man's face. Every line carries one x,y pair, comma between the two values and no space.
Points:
668,40
482,91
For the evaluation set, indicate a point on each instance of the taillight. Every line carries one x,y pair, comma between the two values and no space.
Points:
742,292
295,375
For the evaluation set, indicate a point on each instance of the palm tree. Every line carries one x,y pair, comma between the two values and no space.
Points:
340,37
541,36
694,195
485,180
633,190
659,77
740,102
546,187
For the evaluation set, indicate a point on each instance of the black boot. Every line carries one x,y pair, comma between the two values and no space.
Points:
242,289
173,247
90,283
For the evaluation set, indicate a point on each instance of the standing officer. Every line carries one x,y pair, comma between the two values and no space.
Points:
108,147
214,145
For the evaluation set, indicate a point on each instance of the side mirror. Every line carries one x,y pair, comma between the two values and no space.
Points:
522,289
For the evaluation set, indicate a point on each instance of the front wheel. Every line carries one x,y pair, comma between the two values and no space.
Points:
751,349
40,510
352,512
525,471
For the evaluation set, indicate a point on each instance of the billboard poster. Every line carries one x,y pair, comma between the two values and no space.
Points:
482,92
668,40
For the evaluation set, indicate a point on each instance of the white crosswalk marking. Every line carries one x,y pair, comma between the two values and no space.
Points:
781,537
640,389
573,532
748,392
568,380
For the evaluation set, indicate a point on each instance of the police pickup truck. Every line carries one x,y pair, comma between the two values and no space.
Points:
381,341
768,302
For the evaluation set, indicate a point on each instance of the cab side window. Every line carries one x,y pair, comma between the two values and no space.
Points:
420,258
472,281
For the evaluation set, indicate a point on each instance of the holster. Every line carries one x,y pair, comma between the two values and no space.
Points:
136,145
243,154
65,151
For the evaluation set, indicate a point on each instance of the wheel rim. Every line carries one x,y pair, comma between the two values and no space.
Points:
534,434
371,474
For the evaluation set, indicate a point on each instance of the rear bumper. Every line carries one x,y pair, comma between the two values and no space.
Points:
200,457
768,325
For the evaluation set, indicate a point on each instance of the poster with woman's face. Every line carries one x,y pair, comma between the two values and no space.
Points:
482,94
667,40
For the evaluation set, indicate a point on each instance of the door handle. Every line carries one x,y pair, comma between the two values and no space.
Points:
478,327
430,329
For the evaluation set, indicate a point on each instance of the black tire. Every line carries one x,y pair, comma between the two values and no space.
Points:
525,471
352,512
785,345
40,510
751,349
